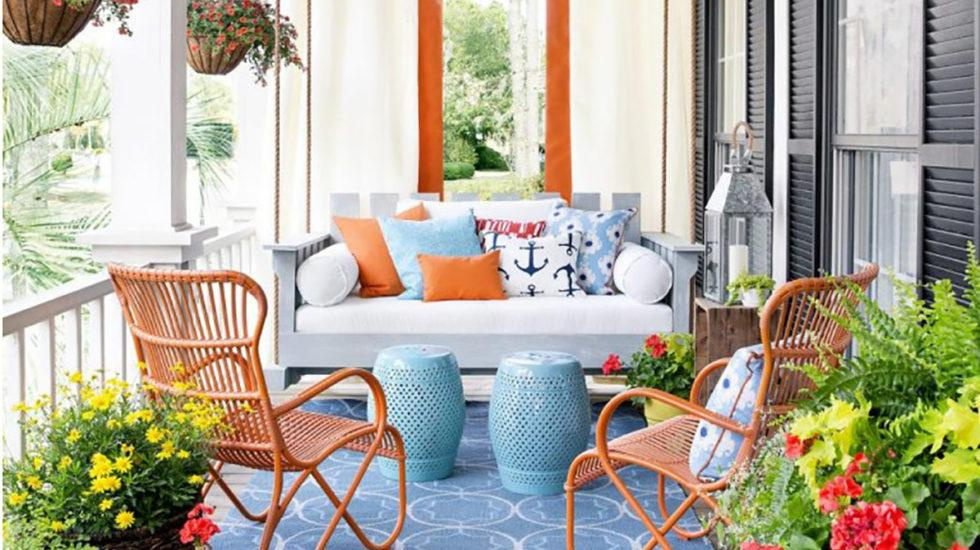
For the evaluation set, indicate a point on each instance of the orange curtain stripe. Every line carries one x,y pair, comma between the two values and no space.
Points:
558,127
430,96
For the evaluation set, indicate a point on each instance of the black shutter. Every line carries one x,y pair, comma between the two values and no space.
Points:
759,87
701,178
948,154
803,214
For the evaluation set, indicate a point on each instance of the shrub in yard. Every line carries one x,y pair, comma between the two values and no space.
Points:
457,149
886,448
107,463
458,171
489,159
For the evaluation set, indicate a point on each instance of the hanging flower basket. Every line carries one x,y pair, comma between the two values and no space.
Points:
57,22
207,59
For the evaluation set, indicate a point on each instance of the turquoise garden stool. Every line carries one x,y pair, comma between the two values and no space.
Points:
539,420
425,402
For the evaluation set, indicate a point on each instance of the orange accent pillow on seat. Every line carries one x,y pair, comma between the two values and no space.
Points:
377,276
461,277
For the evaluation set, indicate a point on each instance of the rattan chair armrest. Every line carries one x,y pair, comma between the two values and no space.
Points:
380,406
703,375
605,417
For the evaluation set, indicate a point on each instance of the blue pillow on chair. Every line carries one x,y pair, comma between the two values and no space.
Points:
714,449
439,237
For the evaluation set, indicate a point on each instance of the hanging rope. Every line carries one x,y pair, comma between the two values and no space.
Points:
309,110
276,180
693,136
663,124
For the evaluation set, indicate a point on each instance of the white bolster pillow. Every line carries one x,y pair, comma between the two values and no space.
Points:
642,274
328,276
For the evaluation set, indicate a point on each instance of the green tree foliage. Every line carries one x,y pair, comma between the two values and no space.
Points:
476,85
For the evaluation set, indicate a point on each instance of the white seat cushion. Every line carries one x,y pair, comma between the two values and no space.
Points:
551,315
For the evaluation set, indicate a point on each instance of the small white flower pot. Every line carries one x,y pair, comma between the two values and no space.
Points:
753,297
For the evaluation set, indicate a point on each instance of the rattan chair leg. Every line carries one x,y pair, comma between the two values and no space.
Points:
657,533
274,513
217,479
349,495
683,533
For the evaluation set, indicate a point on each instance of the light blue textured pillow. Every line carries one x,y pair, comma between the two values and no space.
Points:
440,237
602,237
714,449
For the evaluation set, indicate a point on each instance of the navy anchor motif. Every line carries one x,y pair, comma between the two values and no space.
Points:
503,273
530,268
531,291
494,237
569,247
569,272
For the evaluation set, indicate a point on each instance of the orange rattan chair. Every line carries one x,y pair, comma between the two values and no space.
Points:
795,330
202,328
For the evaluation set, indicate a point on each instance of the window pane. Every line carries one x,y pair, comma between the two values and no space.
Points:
880,59
884,210
731,64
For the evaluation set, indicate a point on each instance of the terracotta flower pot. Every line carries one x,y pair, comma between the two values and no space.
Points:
656,411
42,23
167,537
207,60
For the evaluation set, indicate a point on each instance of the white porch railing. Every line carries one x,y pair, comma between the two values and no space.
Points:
79,327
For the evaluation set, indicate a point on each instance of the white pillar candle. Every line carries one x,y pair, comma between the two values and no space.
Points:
738,260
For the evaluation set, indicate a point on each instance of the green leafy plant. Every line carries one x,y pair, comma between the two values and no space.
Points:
666,362
455,149
487,187
106,460
458,171
489,159
746,281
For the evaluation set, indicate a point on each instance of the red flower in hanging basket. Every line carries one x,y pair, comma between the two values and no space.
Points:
612,364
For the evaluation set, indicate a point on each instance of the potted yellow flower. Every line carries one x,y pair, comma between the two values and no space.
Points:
108,468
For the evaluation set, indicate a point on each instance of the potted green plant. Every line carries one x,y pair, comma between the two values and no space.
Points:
751,290
57,22
666,362
223,33
111,469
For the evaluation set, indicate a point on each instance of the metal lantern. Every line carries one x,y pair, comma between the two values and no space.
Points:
737,223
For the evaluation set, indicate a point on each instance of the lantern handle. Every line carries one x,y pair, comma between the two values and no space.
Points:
748,133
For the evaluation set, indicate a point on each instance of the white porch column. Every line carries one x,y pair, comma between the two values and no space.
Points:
148,142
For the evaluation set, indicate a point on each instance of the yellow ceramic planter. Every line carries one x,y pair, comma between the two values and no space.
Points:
656,411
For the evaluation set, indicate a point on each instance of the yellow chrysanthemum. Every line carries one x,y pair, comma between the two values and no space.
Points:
22,407
195,480
105,505
166,450
141,366
125,519
180,417
37,462
127,449
123,464
183,455
247,407
155,434
102,400
88,415
64,463
74,436
16,499
76,377
105,484
35,483
101,466
143,415
112,424
57,526
178,368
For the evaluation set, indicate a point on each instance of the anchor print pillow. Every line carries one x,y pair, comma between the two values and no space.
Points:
537,266
602,237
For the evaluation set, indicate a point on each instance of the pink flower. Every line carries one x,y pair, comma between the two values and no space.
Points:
612,364
841,487
867,526
752,545
655,346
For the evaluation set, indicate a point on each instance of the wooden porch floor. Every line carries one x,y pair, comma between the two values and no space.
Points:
475,388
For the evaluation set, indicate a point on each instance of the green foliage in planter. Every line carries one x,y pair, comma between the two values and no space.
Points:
905,409
106,460
666,363
746,281
489,159
458,171
455,149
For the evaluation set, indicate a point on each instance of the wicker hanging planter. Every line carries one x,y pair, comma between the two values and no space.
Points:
42,23
205,59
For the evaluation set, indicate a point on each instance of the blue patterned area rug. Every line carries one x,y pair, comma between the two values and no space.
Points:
470,510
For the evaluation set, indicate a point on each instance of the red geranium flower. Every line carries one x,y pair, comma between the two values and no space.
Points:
752,545
841,487
857,465
795,447
612,364
958,546
655,346
867,526
199,528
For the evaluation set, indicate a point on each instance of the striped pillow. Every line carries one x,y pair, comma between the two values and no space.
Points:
521,230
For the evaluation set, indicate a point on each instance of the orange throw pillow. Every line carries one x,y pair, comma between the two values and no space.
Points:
365,241
461,277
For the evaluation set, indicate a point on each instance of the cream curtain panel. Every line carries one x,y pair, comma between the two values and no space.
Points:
616,74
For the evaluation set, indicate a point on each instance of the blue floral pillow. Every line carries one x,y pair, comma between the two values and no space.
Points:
440,237
714,449
602,237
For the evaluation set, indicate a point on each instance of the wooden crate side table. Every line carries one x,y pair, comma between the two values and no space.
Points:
719,330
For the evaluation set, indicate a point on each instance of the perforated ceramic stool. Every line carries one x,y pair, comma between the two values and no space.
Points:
425,402
539,420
